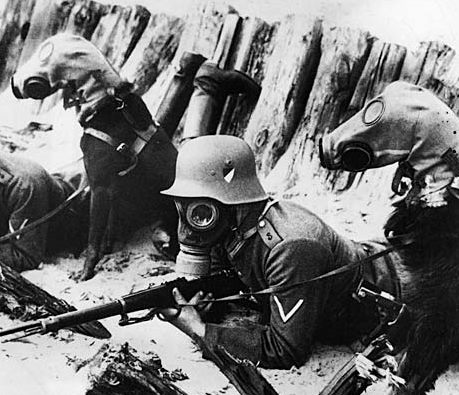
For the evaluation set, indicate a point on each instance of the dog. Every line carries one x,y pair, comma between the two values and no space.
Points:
128,157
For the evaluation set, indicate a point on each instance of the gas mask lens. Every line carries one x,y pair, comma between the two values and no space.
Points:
202,215
373,111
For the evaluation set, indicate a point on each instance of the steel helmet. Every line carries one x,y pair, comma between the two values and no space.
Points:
217,167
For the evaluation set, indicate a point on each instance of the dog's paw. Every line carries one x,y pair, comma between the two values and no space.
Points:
82,275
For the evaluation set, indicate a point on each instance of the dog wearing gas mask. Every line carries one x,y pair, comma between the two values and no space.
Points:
410,125
128,157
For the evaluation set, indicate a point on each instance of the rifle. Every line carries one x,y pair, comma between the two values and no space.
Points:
155,298
362,369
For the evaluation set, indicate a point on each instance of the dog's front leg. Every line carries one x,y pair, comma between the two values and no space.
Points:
111,231
99,215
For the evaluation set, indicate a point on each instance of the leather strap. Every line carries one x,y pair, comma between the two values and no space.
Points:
106,138
240,239
332,273
143,137
120,147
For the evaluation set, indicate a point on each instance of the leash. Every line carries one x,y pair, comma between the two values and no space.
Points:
46,217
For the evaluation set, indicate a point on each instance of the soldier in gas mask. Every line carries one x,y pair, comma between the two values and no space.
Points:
270,244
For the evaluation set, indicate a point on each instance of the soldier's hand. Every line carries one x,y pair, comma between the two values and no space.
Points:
187,316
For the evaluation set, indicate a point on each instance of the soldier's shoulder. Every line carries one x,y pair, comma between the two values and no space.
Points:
268,233
288,221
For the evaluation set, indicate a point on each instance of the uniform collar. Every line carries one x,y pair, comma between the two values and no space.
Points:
246,229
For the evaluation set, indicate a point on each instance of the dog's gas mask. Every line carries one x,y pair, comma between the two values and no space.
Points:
405,124
203,223
69,62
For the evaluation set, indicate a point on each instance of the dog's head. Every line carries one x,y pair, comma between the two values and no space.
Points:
65,61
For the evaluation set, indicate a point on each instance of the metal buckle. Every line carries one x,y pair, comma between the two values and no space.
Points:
120,103
123,148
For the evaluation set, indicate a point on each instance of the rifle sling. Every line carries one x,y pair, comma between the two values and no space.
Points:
343,269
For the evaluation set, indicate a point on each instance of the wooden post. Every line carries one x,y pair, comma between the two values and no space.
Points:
15,20
84,17
201,35
226,39
435,67
21,299
48,18
154,51
243,374
344,55
427,63
384,66
118,32
288,78
251,47
202,28
117,370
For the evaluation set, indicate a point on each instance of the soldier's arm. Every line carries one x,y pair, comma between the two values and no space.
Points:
294,313
26,202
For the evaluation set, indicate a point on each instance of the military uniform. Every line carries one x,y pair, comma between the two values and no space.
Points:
291,245
27,192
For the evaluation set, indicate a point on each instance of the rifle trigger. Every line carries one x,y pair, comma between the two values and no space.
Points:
126,320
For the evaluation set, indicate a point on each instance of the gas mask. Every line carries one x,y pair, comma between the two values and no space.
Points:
406,124
69,62
203,223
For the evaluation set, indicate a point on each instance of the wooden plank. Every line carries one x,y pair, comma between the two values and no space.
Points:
344,54
118,31
289,76
48,18
154,51
84,17
445,81
252,47
202,28
201,35
15,21
243,374
384,66
118,370
225,41
427,63
21,299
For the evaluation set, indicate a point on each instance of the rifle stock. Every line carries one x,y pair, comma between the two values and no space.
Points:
156,297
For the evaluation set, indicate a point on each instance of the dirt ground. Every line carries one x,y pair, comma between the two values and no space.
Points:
46,365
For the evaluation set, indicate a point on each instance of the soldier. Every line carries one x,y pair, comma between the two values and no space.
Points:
28,192
271,244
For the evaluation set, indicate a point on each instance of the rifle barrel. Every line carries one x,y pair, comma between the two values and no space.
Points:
21,328
159,296
77,317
